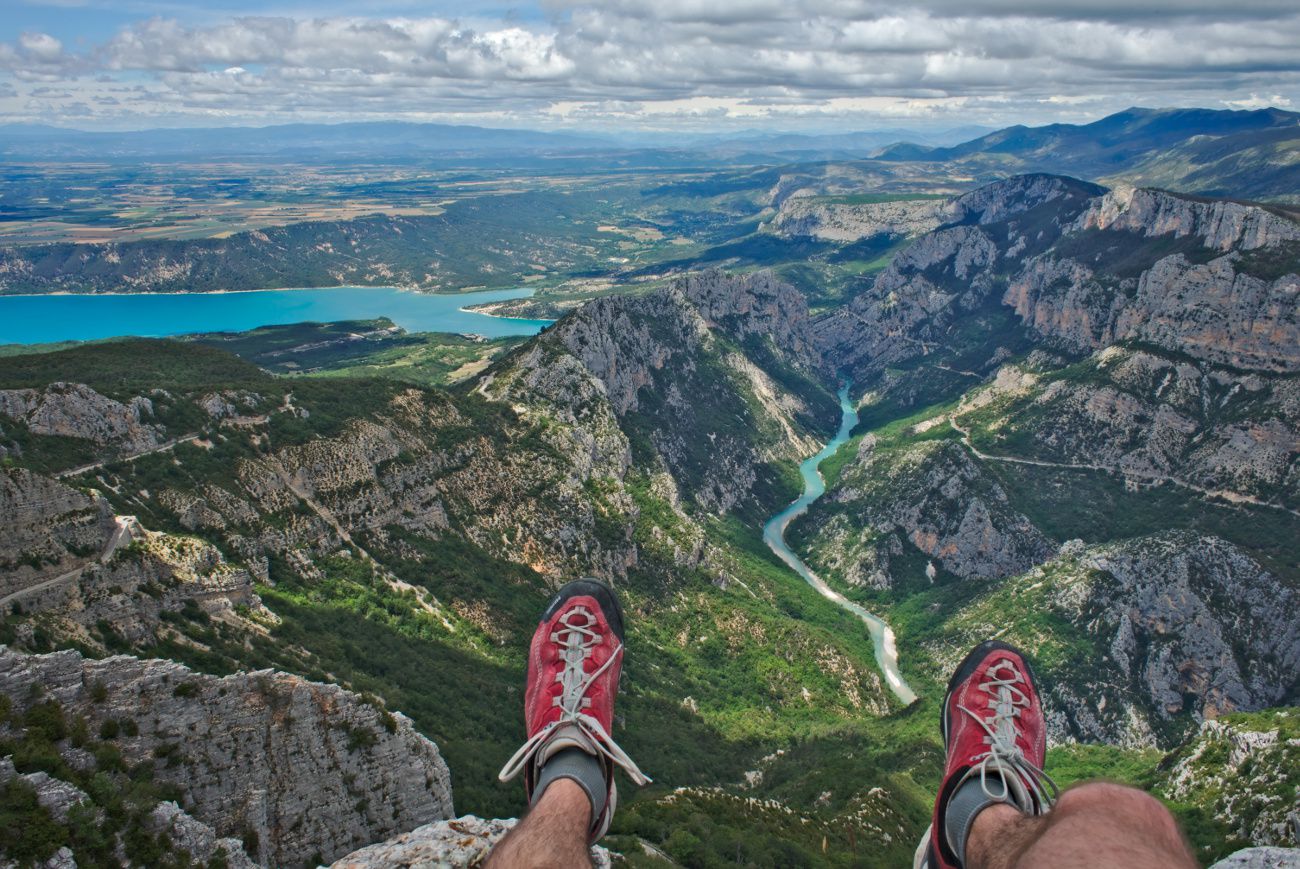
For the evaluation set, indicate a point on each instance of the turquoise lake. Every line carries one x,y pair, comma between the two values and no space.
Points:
44,319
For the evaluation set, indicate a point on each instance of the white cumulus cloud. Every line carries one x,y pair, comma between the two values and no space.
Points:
661,61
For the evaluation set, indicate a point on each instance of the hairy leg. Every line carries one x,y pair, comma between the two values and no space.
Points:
1093,826
552,834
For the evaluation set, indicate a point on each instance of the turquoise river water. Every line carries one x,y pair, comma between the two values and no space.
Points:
43,319
814,486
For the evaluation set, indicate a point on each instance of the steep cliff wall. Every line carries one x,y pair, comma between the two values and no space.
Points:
1134,639
810,217
1085,268
302,770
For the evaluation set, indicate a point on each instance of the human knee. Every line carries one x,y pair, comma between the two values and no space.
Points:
1117,804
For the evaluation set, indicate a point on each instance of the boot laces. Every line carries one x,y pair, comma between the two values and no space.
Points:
576,636
1024,783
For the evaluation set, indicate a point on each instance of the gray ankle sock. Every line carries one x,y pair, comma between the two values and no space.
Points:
583,768
968,801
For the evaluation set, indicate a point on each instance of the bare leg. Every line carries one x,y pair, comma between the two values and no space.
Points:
552,834
1093,826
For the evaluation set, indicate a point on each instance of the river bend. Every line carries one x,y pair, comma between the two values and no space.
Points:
814,486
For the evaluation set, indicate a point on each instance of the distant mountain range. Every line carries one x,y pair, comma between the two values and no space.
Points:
1221,153
1244,154
392,139
1114,141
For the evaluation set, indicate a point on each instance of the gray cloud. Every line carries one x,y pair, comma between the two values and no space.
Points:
700,62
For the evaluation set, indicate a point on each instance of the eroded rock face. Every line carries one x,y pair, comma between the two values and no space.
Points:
464,841
932,496
715,418
1261,858
75,410
1244,771
46,527
1085,268
996,202
197,838
1203,620
129,593
309,768
1180,627
804,217
1157,418
1221,224
756,304
1207,310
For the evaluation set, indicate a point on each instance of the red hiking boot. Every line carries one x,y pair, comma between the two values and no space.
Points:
573,668
994,732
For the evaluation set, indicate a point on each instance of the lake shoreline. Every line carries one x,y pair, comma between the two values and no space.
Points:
415,290
50,318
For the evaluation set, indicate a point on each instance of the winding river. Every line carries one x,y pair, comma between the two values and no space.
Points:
774,536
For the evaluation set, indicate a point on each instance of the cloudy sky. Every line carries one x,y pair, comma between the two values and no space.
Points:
627,64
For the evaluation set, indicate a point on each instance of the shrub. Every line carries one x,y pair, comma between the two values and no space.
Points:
186,689
46,720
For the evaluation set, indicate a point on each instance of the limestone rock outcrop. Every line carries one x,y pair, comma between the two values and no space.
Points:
46,528
1244,771
1261,858
75,410
932,496
1219,223
464,841
809,217
1085,268
1157,419
301,768
1181,627
701,375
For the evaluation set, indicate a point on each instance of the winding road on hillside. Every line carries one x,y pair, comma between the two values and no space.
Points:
94,466
1226,495
814,486
120,537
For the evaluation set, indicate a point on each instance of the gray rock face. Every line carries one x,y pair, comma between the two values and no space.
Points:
75,410
624,342
1261,858
665,362
1243,771
910,306
1083,267
130,593
1197,618
412,468
932,496
996,202
805,217
754,305
308,768
464,841
1209,310
1219,224
55,796
1181,627
46,527
1156,418
196,837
